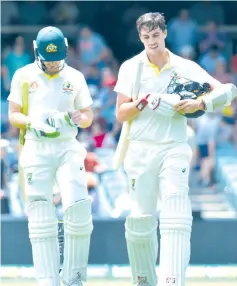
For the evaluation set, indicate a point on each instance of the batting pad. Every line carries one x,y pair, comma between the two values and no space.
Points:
142,245
175,230
77,231
43,233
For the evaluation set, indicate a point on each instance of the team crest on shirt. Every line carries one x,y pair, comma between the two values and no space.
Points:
67,88
33,86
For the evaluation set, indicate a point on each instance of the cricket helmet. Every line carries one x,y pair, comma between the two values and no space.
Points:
50,46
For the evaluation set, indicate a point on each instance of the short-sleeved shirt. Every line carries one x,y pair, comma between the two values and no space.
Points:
63,92
150,125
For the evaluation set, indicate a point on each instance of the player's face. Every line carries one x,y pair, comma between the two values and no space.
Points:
153,41
53,67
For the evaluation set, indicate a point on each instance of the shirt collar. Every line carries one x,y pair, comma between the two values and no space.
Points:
145,59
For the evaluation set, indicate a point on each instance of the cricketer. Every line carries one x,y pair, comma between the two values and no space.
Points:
157,156
59,103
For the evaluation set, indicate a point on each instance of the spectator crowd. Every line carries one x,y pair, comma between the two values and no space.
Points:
191,34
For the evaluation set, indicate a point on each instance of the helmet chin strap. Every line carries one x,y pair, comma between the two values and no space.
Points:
43,67
60,67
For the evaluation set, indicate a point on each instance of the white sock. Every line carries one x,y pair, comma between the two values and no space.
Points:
142,245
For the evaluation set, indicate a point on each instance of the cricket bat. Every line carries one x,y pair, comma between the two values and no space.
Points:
123,143
25,92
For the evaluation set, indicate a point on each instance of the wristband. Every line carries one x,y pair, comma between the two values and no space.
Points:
142,103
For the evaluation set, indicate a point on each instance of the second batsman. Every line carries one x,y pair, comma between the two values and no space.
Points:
158,156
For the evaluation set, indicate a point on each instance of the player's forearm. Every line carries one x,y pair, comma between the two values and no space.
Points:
18,120
220,96
127,111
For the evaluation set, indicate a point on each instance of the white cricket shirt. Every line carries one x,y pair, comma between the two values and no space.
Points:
149,125
63,92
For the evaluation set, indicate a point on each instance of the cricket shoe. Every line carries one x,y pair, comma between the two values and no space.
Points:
78,283
75,283
142,281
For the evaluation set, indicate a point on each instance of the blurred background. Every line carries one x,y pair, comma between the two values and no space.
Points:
101,36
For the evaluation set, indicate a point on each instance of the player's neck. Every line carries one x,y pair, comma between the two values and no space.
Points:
159,59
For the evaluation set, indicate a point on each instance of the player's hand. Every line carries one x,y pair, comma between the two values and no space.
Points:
163,103
76,116
188,106
61,119
41,129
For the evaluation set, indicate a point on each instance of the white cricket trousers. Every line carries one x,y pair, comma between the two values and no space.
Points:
155,172
54,161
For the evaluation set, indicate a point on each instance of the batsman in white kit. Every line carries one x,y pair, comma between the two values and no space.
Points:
59,103
157,91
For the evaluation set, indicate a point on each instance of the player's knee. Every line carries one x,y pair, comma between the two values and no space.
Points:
74,195
139,211
140,228
176,213
36,198
78,218
42,220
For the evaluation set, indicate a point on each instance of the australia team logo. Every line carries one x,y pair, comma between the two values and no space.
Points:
67,88
51,48
33,86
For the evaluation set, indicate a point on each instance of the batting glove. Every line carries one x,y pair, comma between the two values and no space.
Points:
61,119
160,103
41,129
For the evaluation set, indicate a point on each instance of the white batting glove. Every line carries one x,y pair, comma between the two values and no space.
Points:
163,103
41,129
61,119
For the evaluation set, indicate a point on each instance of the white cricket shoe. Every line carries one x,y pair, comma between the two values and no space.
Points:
76,283
142,281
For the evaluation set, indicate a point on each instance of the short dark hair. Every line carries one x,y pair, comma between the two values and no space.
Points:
151,21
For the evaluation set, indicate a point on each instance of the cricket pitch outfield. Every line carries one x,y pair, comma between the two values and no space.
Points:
121,282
